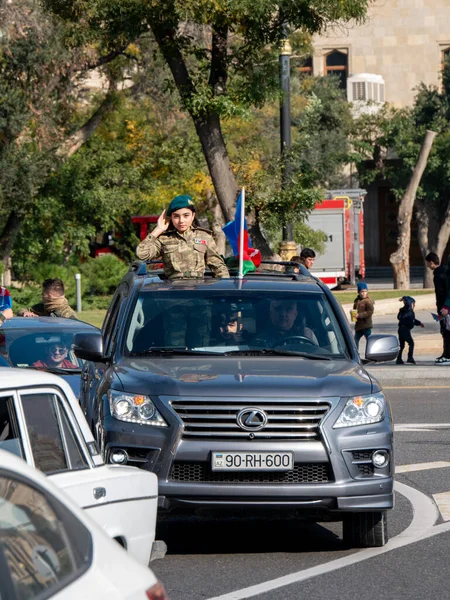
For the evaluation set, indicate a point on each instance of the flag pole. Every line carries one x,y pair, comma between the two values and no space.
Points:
241,236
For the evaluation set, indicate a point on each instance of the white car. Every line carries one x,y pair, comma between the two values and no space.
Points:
50,548
42,422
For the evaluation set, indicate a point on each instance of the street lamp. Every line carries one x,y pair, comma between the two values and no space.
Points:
288,246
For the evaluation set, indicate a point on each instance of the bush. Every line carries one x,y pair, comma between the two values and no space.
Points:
26,296
102,275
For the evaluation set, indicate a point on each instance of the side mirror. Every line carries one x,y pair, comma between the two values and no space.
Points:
382,347
89,346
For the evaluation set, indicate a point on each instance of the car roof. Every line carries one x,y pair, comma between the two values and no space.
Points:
250,284
46,323
12,378
19,378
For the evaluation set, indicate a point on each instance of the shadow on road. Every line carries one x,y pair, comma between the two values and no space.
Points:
248,536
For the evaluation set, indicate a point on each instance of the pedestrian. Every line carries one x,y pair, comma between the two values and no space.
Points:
54,303
307,257
185,248
440,290
5,305
363,305
406,322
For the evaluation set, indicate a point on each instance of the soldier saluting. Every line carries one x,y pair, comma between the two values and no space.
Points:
185,248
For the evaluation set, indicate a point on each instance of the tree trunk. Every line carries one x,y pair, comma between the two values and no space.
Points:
218,223
74,142
219,166
8,236
435,227
400,258
258,239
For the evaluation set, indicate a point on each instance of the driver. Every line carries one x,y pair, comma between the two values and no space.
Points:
55,357
283,316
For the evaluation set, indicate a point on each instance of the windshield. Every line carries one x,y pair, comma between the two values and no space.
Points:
258,322
49,350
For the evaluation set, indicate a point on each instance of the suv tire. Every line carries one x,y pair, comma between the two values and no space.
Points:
365,530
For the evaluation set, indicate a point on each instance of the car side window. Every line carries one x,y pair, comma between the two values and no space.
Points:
9,432
53,441
39,553
109,330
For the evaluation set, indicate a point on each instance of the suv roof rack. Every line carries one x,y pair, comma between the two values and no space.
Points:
140,269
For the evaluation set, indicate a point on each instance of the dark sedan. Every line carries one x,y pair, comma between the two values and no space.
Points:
43,343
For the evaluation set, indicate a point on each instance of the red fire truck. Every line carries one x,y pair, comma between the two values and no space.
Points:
341,217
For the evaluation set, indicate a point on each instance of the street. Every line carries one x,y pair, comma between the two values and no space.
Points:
281,559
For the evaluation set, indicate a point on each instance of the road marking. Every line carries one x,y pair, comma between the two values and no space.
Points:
425,515
422,467
421,426
443,502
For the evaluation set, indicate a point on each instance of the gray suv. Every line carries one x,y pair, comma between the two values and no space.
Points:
243,395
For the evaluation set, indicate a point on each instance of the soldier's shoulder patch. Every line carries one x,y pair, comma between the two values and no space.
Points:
200,241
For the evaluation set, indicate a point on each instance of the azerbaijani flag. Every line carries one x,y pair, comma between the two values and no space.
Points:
251,256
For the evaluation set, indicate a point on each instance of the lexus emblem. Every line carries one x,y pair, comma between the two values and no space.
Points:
251,419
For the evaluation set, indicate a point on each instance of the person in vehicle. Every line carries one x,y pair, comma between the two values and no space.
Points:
284,323
307,258
54,303
55,357
230,330
185,248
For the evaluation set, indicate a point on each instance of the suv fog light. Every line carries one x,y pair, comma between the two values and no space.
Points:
380,458
118,457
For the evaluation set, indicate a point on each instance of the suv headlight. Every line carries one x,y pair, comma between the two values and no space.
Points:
134,409
362,410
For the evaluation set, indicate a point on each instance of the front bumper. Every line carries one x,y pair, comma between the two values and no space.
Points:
350,483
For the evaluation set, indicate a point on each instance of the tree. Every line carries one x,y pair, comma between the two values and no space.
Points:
388,146
400,258
221,54
41,123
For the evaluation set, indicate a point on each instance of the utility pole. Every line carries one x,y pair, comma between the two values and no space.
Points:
288,246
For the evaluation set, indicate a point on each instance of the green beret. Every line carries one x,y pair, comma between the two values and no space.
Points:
183,201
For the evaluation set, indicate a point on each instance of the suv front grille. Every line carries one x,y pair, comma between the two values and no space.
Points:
286,419
189,472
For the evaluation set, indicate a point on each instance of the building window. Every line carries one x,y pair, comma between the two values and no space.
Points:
445,57
306,66
336,63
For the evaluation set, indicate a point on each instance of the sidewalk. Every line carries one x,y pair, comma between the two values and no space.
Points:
427,340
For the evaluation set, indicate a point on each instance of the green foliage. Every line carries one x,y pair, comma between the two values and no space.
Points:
321,126
102,274
99,279
25,296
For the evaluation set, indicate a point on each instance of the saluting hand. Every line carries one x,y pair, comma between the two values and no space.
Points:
162,224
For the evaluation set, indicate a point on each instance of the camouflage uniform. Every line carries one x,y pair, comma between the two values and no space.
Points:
62,309
185,255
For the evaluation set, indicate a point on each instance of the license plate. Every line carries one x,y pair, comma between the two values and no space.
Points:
252,461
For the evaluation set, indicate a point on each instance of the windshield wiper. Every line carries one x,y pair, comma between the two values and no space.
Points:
302,354
174,351
275,352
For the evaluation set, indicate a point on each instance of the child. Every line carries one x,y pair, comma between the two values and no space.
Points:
363,305
406,321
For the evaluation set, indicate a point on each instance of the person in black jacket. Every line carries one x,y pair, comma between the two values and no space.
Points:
441,291
406,321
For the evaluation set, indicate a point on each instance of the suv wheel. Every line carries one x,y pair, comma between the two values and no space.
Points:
365,530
